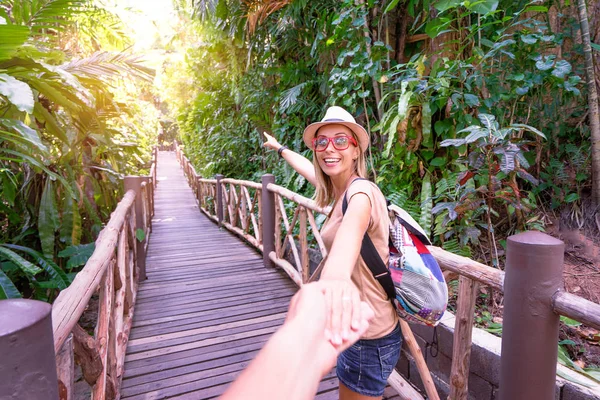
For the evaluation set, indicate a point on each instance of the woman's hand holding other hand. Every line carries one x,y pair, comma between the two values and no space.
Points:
312,309
344,310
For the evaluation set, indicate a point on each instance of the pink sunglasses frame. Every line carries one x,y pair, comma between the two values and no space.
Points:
330,140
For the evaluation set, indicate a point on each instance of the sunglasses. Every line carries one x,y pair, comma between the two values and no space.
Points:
339,142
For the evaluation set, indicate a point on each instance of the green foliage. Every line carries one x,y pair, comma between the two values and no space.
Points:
456,133
68,132
77,255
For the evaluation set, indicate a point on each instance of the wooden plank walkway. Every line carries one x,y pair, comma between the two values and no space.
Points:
207,307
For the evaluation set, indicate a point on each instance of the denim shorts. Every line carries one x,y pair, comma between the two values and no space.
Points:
365,367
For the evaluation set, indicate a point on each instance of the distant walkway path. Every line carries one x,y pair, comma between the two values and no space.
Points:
207,307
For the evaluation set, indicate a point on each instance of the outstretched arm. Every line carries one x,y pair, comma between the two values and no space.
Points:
298,355
301,164
343,302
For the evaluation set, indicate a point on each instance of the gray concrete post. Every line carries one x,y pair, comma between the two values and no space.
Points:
219,205
135,183
534,266
27,361
268,219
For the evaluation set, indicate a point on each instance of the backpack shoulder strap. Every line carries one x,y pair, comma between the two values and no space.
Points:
371,257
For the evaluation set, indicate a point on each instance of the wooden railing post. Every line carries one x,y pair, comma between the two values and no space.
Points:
534,267
219,205
463,331
268,219
135,183
28,366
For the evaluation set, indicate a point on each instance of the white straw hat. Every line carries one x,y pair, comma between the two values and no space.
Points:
337,115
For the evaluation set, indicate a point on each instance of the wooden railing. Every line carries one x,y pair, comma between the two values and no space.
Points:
225,205
237,205
113,270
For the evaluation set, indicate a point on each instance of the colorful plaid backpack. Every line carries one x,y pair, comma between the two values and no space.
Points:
412,279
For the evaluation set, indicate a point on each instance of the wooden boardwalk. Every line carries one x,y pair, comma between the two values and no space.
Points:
207,307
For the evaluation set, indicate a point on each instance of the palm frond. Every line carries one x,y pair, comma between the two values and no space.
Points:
290,96
13,37
54,14
204,9
105,65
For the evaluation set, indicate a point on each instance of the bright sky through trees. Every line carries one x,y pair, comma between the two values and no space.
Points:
147,20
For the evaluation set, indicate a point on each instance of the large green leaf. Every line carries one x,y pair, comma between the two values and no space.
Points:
488,120
7,288
57,274
528,128
51,124
483,6
443,5
402,111
562,69
78,255
82,93
48,220
9,186
57,94
26,132
18,93
392,4
21,157
13,37
23,264
70,229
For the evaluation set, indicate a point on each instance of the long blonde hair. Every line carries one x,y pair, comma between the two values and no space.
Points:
324,193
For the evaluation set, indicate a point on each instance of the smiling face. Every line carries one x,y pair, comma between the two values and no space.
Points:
337,164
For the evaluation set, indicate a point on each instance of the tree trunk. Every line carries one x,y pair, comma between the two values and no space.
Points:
367,33
594,115
401,29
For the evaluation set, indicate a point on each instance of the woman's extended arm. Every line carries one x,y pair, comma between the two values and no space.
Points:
301,164
343,303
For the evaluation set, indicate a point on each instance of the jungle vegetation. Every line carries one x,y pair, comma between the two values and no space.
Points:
478,111
69,129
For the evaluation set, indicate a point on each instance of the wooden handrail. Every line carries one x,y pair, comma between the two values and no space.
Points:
464,266
577,308
71,302
297,198
249,184
113,270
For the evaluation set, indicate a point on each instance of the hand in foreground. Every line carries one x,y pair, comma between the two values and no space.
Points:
299,354
270,142
311,309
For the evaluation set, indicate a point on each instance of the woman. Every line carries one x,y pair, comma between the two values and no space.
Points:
339,146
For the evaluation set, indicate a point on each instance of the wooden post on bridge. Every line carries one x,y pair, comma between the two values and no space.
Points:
268,219
219,205
135,183
534,267
28,367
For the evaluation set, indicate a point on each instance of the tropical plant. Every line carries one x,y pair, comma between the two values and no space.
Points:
63,144
495,160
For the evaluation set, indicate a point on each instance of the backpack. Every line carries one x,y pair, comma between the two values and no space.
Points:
413,279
